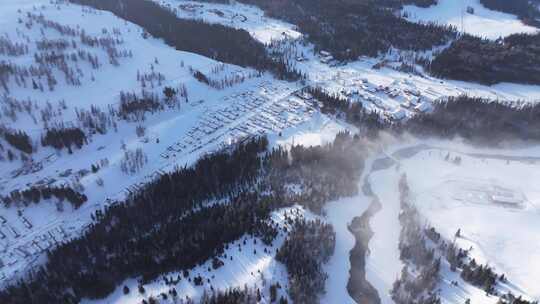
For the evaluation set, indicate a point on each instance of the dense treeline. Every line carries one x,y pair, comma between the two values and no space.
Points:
421,3
18,139
528,11
323,173
515,58
215,41
133,107
308,246
60,138
478,120
229,296
475,119
36,194
233,296
349,29
169,225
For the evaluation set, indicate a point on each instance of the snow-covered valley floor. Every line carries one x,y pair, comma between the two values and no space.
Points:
491,195
449,196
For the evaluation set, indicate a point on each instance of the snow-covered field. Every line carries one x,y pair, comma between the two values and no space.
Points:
483,22
236,15
383,265
491,195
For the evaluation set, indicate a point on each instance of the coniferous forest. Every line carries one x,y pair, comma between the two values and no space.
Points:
349,29
524,9
175,221
140,236
515,58
477,120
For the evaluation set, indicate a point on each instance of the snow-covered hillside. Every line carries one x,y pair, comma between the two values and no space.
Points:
67,66
469,16
202,121
247,263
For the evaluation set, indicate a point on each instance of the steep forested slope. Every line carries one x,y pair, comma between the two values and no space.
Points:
139,237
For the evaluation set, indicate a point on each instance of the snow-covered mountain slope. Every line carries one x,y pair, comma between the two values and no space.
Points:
205,120
63,25
469,16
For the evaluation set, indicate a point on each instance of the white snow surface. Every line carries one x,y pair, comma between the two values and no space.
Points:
448,195
383,264
453,197
236,15
484,22
246,269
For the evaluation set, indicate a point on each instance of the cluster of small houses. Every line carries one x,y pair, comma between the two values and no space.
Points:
15,256
268,117
411,100
29,251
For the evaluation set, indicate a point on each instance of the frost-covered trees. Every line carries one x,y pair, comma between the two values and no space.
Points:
133,161
133,106
64,54
220,83
12,49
